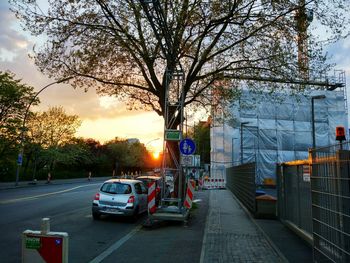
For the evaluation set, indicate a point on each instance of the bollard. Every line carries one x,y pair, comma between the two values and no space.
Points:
48,178
45,225
44,245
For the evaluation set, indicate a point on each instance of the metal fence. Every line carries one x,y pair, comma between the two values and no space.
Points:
241,181
294,197
330,188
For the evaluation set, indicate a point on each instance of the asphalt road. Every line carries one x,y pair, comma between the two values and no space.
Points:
108,240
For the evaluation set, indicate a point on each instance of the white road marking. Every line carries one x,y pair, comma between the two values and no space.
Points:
197,200
115,246
42,195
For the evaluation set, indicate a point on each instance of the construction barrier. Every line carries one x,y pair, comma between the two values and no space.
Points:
214,183
200,183
44,246
222,183
48,178
151,198
189,194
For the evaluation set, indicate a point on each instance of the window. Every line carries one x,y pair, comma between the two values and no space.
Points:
116,188
138,189
144,189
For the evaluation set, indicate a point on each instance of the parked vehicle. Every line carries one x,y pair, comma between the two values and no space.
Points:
121,197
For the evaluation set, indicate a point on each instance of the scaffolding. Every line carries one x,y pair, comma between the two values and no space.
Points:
276,128
170,208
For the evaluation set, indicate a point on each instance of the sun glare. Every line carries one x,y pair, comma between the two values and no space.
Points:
155,155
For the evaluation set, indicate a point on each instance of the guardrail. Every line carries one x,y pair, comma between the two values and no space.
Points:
241,181
330,187
314,201
294,197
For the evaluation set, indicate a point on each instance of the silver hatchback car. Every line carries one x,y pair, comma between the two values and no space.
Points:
122,197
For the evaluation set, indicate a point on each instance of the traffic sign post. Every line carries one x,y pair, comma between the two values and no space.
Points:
187,160
173,135
187,147
19,159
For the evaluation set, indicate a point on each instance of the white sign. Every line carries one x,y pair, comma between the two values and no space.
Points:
306,173
187,160
197,161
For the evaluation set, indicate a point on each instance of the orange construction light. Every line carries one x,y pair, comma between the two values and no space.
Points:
340,133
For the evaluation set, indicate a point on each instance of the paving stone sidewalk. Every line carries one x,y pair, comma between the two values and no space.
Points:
232,236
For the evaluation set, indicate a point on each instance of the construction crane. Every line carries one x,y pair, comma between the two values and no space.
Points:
303,18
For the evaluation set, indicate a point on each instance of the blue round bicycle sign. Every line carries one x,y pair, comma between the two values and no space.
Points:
187,146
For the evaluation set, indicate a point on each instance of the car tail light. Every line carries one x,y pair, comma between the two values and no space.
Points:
97,196
131,199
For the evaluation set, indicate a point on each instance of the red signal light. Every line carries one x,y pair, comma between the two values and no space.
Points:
340,133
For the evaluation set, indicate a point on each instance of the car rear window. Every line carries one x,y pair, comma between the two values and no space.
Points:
116,188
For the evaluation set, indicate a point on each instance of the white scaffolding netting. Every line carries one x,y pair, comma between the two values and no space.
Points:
270,129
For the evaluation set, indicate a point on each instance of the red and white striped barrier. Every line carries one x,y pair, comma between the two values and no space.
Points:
189,194
151,198
214,183
221,183
200,183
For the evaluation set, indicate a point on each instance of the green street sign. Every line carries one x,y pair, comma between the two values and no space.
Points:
33,242
173,135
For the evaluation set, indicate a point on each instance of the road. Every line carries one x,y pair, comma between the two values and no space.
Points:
69,208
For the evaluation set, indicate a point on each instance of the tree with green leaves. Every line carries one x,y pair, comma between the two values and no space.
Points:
201,136
14,99
126,155
53,131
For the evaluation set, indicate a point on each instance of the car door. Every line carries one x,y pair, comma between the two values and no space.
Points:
140,197
145,195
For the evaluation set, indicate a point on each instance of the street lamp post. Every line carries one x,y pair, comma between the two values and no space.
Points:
242,124
20,154
156,139
313,98
232,149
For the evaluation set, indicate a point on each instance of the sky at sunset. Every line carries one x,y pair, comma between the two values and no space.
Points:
103,118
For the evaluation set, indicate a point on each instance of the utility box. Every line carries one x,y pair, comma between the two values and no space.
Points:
265,206
44,246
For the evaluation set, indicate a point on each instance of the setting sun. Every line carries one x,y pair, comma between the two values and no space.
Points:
155,155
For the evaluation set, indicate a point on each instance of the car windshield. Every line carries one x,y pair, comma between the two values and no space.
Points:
116,188
147,181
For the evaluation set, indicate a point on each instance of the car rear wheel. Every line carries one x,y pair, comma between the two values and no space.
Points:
96,216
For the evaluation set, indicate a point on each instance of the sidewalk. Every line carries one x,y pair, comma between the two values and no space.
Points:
232,236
